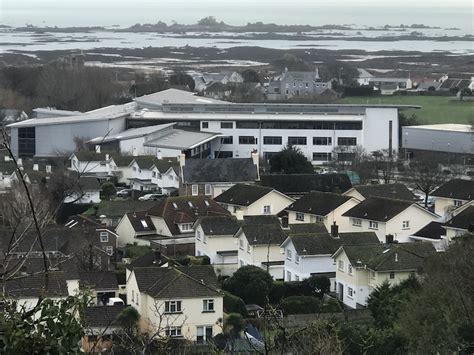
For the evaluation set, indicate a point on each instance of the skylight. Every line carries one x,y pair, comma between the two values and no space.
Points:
144,224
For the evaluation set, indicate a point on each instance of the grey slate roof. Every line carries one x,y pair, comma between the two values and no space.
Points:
219,225
396,191
318,203
243,194
378,209
103,316
34,286
300,228
219,170
141,222
358,238
118,208
298,184
98,280
463,220
171,282
266,219
458,189
264,234
433,230
152,259
89,183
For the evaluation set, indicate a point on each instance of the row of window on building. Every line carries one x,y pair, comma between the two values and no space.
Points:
277,140
320,125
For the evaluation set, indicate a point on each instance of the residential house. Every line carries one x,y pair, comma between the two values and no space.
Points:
109,213
100,165
218,91
451,195
181,302
165,174
141,179
87,191
361,268
364,77
322,207
7,174
100,324
386,216
135,228
461,223
211,177
297,185
250,200
309,254
295,84
207,80
434,233
259,245
151,259
456,83
125,169
101,284
388,86
396,191
215,238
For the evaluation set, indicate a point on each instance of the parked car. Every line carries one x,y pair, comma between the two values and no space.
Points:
124,193
114,301
150,197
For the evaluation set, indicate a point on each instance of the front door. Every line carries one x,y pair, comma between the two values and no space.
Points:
340,292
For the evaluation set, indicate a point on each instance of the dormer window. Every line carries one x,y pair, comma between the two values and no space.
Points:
104,237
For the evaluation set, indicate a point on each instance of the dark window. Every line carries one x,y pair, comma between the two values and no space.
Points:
227,140
247,124
347,141
272,140
227,125
223,154
349,126
26,142
247,140
322,156
205,124
345,156
322,140
297,140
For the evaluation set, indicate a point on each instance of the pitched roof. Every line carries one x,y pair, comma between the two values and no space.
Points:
458,189
243,194
378,209
219,225
141,222
463,220
103,316
318,203
153,258
118,208
358,238
89,183
172,282
123,160
396,191
265,219
433,230
7,167
164,164
145,161
263,234
92,155
389,257
34,285
300,228
99,280
185,209
220,170
304,183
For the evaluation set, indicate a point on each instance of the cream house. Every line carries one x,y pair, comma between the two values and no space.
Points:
387,216
252,200
461,223
259,245
135,228
177,302
101,165
215,238
321,207
361,268
451,195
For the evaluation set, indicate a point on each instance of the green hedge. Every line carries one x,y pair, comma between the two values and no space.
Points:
301,305
234,304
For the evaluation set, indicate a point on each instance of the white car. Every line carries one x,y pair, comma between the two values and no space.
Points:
150,197
114,301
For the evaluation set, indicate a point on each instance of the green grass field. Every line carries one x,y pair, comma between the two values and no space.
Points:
435,109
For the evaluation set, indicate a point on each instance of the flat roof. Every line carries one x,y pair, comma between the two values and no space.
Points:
454,127
181,139
172,96
132,133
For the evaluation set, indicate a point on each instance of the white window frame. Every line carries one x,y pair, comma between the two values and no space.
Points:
373,225
241,244
109,250
349,269
297,259
207,190
204,329
104,237
391,275
267,209
299,216
340,265
186,227
173,306
457,203
356,222
194,190
198,235
208,305
288,254
297,278
406,224
173,332
350,292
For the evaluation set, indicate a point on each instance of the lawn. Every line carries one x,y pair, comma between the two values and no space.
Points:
435,109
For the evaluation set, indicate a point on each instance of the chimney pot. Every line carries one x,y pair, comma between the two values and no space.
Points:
335,230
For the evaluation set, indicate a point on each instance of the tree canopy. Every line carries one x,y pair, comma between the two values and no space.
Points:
290,160
250,283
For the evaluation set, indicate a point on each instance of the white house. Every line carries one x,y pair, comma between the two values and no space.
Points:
180,302
98,164
461,223
259,245
252,200
88,191
451,195
396,191
135,228
321,207
361,268
386,216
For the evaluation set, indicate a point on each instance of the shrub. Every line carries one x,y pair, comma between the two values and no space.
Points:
234,304
301,305
250,283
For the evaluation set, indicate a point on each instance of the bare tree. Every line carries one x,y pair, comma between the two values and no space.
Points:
426,175
386,164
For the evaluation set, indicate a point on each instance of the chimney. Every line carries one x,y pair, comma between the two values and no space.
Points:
134,151
256,162
396,256
48,169
97,149
19,162
335,230
159,156
317,74
389,239
182,163
107,157
35,167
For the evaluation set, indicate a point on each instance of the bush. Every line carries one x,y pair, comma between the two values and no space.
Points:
234,304
250,283
281,290
301,305
331,306
234,324
319,285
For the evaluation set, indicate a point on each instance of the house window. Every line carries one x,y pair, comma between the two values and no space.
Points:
203,334
341,265
267,209
104,237
350,292
133,296
392,275
319,219
269,140
322,140
373,225
288,276
347,141
297,140
297,278
322,156
227,140
349,269
207,189
356,222
194,190
299,216
208,305
173,332
109,250
205,124
297,259
186,227
173,307
198,235
241,244
288,254
406,225
457,203
227,125
27,141
247,140
153,174
372,274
